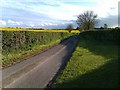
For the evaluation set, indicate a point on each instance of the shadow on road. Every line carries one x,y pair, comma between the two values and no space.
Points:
105,76
70,44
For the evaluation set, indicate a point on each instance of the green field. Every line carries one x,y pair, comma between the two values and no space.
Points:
94,64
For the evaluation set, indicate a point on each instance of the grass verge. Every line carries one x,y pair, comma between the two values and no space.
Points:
94,64
14,57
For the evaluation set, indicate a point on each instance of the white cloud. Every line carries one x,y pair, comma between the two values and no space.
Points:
42,25
62,10
68,11
31,25
11,22
67,23
55,24
2,23
48,24
103,8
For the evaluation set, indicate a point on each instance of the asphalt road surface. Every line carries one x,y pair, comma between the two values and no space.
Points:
38,71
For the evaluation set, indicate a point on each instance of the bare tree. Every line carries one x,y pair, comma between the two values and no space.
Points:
87,20
69,27
105,26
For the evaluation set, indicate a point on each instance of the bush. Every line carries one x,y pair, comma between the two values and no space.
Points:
24,40
102,35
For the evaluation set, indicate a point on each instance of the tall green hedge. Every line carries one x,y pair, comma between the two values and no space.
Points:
15,40
102,35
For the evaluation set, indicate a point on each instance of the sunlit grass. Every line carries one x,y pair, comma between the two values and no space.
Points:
8,59
94,64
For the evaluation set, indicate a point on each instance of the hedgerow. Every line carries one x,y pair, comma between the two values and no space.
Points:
102,35
15,40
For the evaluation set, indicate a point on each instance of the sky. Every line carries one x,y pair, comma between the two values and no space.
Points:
55,13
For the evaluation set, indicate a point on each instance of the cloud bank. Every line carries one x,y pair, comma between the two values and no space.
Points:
55,13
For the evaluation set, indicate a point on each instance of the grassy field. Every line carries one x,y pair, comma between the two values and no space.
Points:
94,64
33,30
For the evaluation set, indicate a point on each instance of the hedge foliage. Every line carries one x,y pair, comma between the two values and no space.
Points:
24,40
102,35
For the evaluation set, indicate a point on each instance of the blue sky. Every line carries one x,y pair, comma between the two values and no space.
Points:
55,13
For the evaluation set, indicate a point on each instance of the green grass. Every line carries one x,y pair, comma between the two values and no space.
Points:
19,55
94,64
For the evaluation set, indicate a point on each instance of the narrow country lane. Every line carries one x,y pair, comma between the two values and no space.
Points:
39,70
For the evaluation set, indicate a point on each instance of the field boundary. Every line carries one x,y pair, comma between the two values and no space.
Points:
37,30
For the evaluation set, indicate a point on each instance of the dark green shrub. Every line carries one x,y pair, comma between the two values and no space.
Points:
102,35
24,40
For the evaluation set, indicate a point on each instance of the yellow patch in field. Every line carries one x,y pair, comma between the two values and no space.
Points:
36,30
